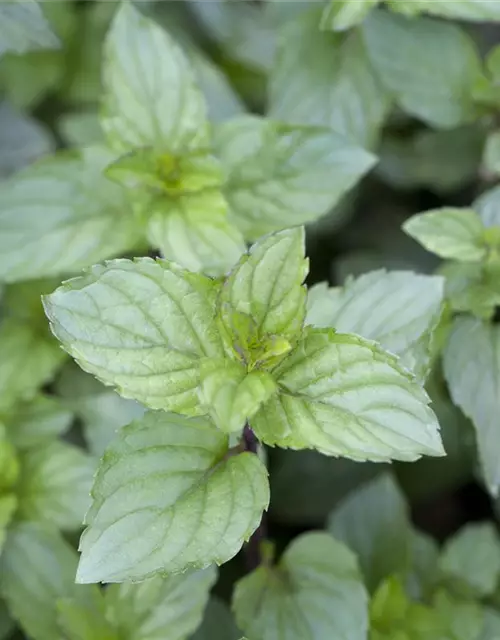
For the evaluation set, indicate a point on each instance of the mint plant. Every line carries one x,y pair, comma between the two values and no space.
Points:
212,415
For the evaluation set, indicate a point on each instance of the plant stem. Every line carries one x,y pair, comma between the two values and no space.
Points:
253,547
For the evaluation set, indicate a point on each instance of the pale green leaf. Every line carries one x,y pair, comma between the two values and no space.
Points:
54,484
150,92
471,559
8,507
472,370
471,287
341,15
491,157
61,215
424,552
474,10
140,326
266,285
232,395
488,207
37,567
22,139
344,396
23,27
450,233
194,231
161,607
373,521
398,309
80,128
85,618
326,79
282,175
491,626
316,591
33,423
29,359
240,29
167,497
428,65
218,623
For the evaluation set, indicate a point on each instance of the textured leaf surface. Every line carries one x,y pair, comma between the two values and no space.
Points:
195,232
374,523
474,10
326,79
472,369
232,395
150,92
23,27
140,326
399,309
37,568
282,175
161,607
472,559
266,285
54,485
316,591
29,360
450,233
61,215
429,66
343,395
168,498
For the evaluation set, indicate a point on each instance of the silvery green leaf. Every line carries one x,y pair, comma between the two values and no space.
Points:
266,285
326,79
194,231
160,608
150,93
22,139
398,309
488,207
474,10
23,27
471,559
140,326
429,66
168,497
280,175
344,396
316,591
374,523
340,15
472,370
54,484
450,233
60,215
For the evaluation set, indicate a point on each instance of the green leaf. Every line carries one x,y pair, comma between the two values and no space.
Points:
194,231
37,567
80,128
85,618
398,309
487,206
462,619
450,233
374,523
491,628
472,287
8,507
168,497
424,562
34,423
316,591
231,395
29,360
341,15
150,92
326,79
344,396
266,286
218,623
491,157
472,370
474,10
428,65
470,561
281,175
22,139
6,623
161,607
23,27
54,484
140,326
77,217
